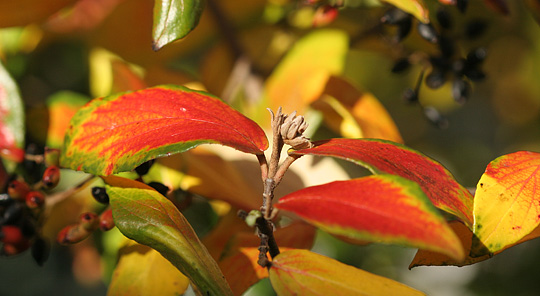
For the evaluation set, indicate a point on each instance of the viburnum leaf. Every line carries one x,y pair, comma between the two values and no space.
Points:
301,272
414,7
385,157
380,208
11,119
119,132
141,271
300,77
62,106
507,201
355,114
429,258
149,218
242,253
174,19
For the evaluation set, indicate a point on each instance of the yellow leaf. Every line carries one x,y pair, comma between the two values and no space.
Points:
142,271
300,78
506,201
414,7
301,272
355,114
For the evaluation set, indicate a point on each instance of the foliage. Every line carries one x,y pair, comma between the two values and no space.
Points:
169,77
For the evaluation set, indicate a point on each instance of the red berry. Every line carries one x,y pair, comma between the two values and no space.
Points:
35,200
51,176
18,189
106,221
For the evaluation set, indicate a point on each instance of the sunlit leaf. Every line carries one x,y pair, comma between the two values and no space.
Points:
11,118
385,157
355,114
62,106
300,77
174,19
429,258
24,12
414,7
506,203
119,132
204,172
242,253
141,270
301,272
149,218
380,208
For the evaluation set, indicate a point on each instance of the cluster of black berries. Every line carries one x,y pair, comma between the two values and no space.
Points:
447,64
22,213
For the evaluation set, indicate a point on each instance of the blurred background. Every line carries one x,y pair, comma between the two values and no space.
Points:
63,53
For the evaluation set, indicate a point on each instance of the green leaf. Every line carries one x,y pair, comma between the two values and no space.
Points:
174,19
301,272
11,119
146,216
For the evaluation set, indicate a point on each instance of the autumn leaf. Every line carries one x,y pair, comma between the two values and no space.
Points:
242,253
174,19
380,208
146,216
301,272
355,114
11,119
506,203
414,7
140,268
300,77
62,106
384,157
429,258
119,132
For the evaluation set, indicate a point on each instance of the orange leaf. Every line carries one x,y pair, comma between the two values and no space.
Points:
242,254
24,12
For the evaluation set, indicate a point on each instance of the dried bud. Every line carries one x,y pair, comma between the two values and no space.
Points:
292,130
40,250
51,177
106,221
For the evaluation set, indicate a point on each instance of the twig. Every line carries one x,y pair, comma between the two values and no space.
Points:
53,199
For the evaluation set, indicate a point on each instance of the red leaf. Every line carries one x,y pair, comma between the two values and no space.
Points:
119,132
383,208
381,156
